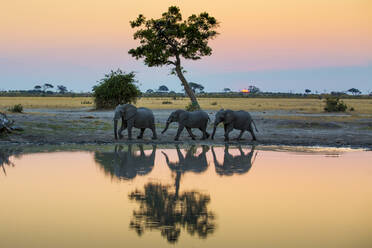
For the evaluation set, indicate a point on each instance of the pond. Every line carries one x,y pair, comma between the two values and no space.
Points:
188,196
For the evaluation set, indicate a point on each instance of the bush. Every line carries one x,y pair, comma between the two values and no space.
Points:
192,107
214,103
166,102
115,88
18,108
334,104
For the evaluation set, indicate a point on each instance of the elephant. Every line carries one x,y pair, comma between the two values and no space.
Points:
196,119
131,116
239,164
128,164
240,120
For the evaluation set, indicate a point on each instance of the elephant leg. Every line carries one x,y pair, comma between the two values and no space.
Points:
205,133
190,133
240,135
153,129
141,134
250,129
229,128
122,128
180,129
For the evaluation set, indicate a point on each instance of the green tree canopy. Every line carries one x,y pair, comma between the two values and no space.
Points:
166,40
116,88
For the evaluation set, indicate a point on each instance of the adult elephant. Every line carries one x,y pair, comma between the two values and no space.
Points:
196,119
131,116
240,120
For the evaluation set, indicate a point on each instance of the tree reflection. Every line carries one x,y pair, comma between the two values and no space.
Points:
126,164
162,209
239,164
166,210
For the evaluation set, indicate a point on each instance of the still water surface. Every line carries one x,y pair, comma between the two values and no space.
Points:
186,197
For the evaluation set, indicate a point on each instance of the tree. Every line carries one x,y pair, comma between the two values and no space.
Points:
253,89
37,87
166,40
227,90
62,89
115,88
163,88
354,91
307,91
47,86
194,87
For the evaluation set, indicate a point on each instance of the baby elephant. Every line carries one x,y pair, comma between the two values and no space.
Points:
197,119
240,120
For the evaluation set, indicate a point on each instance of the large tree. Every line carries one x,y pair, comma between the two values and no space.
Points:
166,40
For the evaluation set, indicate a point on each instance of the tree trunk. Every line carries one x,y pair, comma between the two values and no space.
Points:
188,90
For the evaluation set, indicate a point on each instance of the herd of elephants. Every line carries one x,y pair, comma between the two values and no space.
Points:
143,118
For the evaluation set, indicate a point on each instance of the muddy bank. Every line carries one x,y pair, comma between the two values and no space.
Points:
46,126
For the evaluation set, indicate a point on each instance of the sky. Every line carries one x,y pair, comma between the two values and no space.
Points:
276,45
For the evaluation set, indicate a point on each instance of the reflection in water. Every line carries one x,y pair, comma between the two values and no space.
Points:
239,164
162,209
126,164
5,154
166,210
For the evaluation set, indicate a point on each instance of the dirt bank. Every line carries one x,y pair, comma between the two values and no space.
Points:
48,126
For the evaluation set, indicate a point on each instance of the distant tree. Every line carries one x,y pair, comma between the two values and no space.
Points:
115,88
62,89
47,86
307,91
196,87
37,87
166,40
253,89
149,91
354,91
163,88
227,90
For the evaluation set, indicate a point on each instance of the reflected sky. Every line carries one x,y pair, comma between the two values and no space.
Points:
188,196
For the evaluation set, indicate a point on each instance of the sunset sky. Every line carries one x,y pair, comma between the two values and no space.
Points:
277,45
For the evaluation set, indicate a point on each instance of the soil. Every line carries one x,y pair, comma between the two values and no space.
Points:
83,126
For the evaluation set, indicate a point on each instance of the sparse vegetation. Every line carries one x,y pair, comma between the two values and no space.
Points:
334,104
213,103
166,102
192,107
18,108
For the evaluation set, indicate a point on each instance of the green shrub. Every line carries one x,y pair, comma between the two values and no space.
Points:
166,102
192,107
334,104
214,103
352,109
18,108
116,88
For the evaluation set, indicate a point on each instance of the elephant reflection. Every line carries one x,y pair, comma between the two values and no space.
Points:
239,164
126,164
187,163
5,154
161,208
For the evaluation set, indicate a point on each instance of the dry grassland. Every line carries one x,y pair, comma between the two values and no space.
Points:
363,106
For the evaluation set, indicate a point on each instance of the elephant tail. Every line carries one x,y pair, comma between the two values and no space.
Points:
255,125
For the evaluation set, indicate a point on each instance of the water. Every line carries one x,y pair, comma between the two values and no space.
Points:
187,197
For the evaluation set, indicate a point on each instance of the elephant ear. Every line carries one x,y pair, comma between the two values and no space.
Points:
228,116
118,112
129,111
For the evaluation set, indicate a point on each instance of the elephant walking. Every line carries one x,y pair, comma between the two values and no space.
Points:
131,116
197,119
240,120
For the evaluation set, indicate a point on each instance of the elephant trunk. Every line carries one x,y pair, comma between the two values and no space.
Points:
214,130
115,129
166,127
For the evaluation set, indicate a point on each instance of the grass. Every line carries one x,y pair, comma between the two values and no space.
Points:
251,104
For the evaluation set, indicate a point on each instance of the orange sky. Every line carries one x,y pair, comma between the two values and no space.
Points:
255,35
